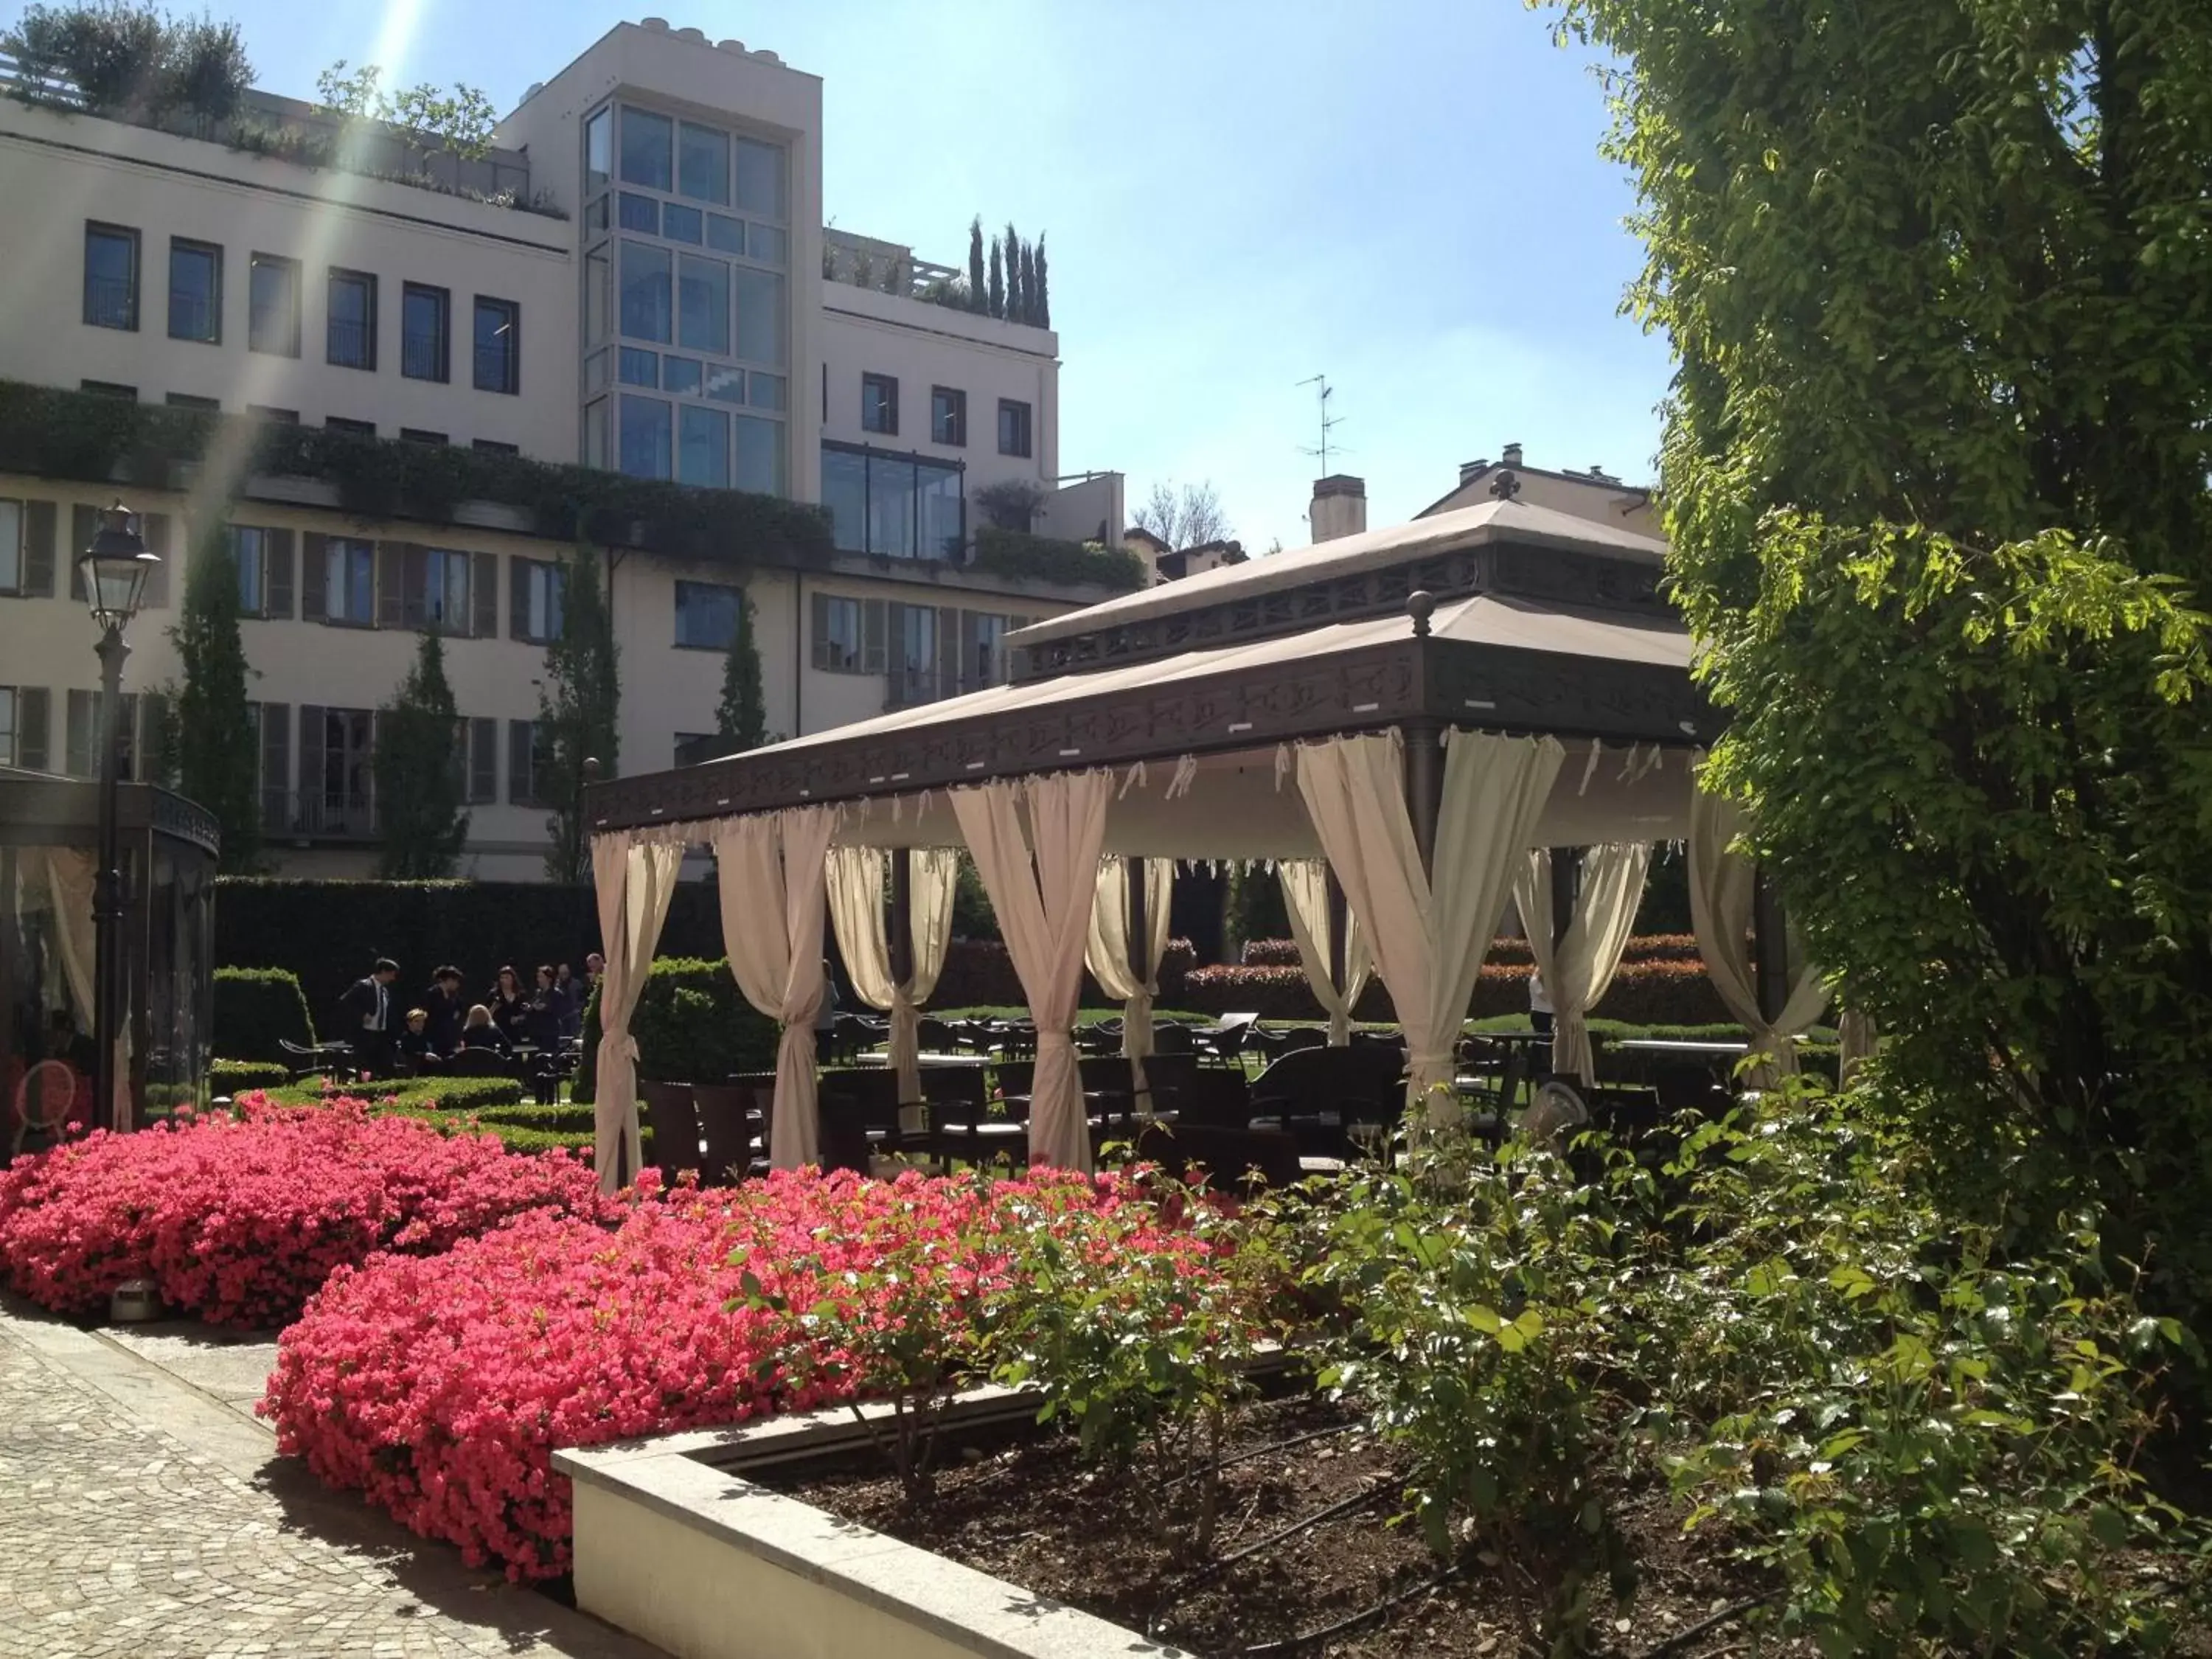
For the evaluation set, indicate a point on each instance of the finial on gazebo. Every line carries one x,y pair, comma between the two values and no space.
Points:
591,769
1420,605
1506,485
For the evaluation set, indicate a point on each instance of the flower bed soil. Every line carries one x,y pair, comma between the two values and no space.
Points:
1031,1514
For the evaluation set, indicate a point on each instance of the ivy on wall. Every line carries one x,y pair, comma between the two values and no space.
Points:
1015,553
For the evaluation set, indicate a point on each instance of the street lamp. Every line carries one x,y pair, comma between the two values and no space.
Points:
115,569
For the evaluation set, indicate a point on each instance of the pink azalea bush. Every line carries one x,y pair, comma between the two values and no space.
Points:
239,1220
440,1387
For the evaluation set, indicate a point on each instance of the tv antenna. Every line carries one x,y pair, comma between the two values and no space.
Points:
1328,422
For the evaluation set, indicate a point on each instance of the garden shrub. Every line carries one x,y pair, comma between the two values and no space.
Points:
450,1094
259,1009
1661,991
239,1220
229,1077
692,1025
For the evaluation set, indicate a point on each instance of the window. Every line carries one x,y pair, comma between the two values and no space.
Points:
726,234
534,600
879,404
349,582
647,437
914,666
272,305
983,650
769,390
647,308
759,177
599,295
425,333
12,537
337,772
648,145
187,400
263,558
848,634
703,305
892,505
529,761
598,149
684,375
416,434
1013,428
640,367
111,276
759,297
682,224
948,416
707,615
341,423
84,734
195,291
499,345
493,447
7,726
129,394
703,165
435,593
595,432
274,416
702,451
759,454
725,386
23,718
636,212
352,325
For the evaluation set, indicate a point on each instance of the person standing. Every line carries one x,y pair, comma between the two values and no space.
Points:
367,1021
1540,1003
510,1008
545,1013
442,1003
572,1000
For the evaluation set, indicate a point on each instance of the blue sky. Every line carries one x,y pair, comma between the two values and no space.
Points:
1237,195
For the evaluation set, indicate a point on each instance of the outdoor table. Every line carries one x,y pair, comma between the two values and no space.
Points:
1698,1046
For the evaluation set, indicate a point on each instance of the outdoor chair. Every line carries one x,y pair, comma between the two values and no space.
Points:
952,1098
671,1117
1685,1087
1171,1039
318,1061
1228,1160
936,1036
1168,1078
728,1121
868,1098
1318,1095
1109,1092
44,1099
982,1132
478,1062
1217,1096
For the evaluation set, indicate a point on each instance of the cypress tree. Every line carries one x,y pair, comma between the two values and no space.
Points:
1029,283
217,741
578,709
978,298
419,782
742,717
997,282
1043,288
1013,312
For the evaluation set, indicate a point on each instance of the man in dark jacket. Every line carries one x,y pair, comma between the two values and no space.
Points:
442,1003
368,1017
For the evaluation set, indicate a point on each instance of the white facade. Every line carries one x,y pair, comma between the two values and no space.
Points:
263,287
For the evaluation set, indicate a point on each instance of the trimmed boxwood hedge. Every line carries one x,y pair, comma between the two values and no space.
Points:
256,1009
230,1077
1658,993
445,1094
691,1026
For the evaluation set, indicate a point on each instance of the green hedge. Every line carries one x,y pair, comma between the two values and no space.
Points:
57,434
1663,991
256,1009
691,1026
418,1094
230,1077
1025,557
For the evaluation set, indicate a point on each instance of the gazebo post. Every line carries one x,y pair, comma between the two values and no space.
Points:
1140,934
900,943
1339,920
1424,785
1566,888
1770,947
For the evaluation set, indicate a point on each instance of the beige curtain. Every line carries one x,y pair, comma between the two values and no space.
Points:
73,887
857,876
1044,914
1429,936
1578,972
773,873
1721,904
1305,898
633,885
1107,953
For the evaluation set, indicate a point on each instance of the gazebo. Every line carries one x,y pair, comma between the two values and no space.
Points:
1408,720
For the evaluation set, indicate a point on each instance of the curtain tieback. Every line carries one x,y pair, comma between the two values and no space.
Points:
1429,1060
625,1044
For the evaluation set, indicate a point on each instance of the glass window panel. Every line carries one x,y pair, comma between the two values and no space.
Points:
703,304
760,315
640,367
890,506
759,454
647,143
595,372
195,292
595,213
702,164
595,432
352,323
768,390
640,213
681,224
598,149
760,180
11,547
940,529
598,286
424,351
725,233
646,302
702,455
844,491
273,321
110,278
499,345
726,384
680,374
840,634
647,437
770,245
247,548
706,615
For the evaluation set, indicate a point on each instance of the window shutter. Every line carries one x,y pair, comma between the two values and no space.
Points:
314,571
78,760
948,653
156,756
518,763
483,762
895,651
307,814
518,597
484,595
276,574
39,528
84,524
872,653
31,717
275,764
129,736
414,587
970,670
821,626
390,585
157,542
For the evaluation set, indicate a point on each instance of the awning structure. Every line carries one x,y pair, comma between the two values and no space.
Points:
1509,678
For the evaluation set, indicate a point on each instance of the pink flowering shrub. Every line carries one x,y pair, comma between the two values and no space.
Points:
239,1220
440,1387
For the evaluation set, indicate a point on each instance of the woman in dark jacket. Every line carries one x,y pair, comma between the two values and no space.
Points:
481,1033
548,1012
510,1007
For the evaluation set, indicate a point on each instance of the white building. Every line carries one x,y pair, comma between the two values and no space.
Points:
632,279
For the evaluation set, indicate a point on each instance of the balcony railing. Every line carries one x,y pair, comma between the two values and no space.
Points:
350,344
111,302
191,316
319,814
495,369
422,356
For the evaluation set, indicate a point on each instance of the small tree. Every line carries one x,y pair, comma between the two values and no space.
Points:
1011,503
1013,313
979,297
1043,318
1190,517
433,118
997,281
578,708
418,773
216,744
742,717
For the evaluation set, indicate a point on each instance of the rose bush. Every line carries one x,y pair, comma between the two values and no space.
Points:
440,1387
239,1220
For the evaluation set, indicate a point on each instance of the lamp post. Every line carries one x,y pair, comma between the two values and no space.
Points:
115,569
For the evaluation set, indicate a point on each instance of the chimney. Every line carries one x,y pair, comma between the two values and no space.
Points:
1512,456
1470,470
1340,508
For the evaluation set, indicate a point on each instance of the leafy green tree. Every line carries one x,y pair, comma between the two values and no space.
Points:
419,770
213,739
579,708
998,289
979,297
1936,457
742,715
